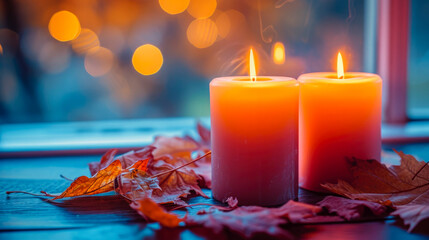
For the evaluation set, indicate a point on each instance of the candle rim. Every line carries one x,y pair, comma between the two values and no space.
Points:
331,77
266,81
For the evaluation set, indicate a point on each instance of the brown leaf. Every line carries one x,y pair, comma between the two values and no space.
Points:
126,159
352,209
297,212
204,133
135,183
99,183
174,185
162,182
413,214
373,181
232,202
140,165
105,160
178,151
131,157
203,169
245,221
249,220
172,145
405,186
151,210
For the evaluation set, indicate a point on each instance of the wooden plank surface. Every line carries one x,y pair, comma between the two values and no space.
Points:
101,217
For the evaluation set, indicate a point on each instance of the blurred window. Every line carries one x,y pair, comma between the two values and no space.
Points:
49,73
418,62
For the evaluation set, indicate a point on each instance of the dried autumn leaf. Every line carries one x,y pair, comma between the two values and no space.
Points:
178,151
105,160
232,202
99,183
140,165
413,214
352,209
205,140
126,159
151,210
131,157
172,145
373,181
135,183
250,220
297,212
405,186
162,182
202,168
175,184
245,221
204,171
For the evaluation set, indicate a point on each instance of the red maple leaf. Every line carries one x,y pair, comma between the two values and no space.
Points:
126,159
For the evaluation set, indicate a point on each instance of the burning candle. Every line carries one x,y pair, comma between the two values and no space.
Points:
340,118
254,124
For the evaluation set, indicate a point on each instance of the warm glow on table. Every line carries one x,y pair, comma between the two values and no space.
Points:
64,26
254,128
339,119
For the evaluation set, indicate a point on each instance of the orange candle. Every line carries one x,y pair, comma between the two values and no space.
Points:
339,118
254,124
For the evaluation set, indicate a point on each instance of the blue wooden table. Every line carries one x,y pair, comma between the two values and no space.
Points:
34,167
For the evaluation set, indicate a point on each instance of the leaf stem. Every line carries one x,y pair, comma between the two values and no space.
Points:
44,194
184,165
66,178
411,189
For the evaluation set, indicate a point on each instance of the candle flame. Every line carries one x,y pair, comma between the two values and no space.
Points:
252,70
340,66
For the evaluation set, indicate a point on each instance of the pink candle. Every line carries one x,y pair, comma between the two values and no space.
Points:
340,117
254,124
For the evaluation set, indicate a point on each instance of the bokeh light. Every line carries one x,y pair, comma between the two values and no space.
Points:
202,33
64,26
98,61
229,24
278,53
87,40
9,39
8,88
53,57
223,24
112,38
147,59
1,49
123,14
202,8
174,6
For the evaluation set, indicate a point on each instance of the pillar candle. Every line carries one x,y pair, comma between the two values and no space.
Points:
254,126
338,119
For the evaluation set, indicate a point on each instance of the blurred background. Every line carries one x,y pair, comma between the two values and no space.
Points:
73,60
